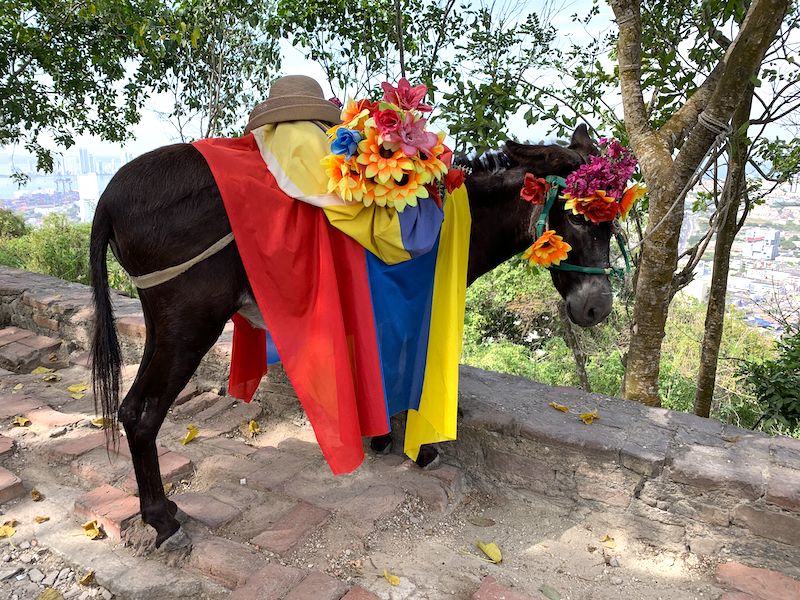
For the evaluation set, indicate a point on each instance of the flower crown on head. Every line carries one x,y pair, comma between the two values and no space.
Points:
596,190
383,154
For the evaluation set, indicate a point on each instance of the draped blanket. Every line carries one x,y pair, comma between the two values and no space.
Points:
359,339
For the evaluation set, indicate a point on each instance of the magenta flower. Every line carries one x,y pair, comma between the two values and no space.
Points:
411,137
387,122
405,96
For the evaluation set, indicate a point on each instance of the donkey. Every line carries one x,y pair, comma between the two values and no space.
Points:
164,208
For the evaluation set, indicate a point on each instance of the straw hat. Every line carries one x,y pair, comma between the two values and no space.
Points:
293,98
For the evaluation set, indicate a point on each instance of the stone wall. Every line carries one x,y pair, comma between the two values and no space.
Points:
669,478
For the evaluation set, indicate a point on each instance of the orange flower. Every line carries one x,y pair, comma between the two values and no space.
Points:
401,193
535,189
344,177
355,113
381,164
549,249
629,198
597,208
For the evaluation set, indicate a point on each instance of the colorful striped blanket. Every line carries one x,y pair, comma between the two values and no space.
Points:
364,305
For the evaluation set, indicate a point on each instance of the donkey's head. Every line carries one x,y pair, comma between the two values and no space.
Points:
587,295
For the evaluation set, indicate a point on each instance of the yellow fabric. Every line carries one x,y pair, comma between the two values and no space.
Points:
435,421
293,152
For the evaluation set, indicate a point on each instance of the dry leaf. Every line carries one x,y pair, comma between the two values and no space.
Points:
6,531
253,428
608,541
550,592
87,579
589,417
481,521
11,523
51,377
491,550
392,579
19,386
21,421
41,520
77,396
50,594
101,422
77,388
36,495
168,487
190,435
92,530
41,371
558,406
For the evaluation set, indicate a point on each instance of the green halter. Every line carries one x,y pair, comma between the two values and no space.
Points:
556,185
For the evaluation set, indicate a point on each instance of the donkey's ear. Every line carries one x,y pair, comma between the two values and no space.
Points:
524,153
581,141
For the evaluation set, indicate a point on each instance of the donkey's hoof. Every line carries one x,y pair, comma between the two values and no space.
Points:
177,541
381,444
428,458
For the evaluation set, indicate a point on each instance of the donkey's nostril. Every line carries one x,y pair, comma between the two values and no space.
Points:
591,313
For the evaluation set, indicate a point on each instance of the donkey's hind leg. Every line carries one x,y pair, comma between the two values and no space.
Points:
175,347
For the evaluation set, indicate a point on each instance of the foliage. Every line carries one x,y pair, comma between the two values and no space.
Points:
61,249
12,225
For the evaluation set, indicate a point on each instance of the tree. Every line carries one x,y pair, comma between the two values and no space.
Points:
71,68
691,130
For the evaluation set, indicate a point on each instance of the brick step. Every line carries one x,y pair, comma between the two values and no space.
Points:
21,351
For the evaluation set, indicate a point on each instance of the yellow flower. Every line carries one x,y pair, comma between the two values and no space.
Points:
430,167
344,177
400,194
381,164
549,249
629,198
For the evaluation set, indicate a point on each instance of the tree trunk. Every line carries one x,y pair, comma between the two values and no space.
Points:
734,190
574,344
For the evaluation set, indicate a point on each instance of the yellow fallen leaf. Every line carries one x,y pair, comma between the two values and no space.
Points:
19,386
608,541
41,520
77,396
77,388
558,406
51,377
41,370
168,487
10,523
21,421
253,428
6,531
87,579
100,422
50,594
92,530
190,435
36,495
392,579
589,417
491,550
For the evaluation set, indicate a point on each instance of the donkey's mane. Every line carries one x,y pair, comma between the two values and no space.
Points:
491,161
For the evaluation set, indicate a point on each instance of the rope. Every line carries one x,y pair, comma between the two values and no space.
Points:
713,124
158,277
631,16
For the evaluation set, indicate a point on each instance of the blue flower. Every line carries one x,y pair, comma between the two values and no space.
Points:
346,142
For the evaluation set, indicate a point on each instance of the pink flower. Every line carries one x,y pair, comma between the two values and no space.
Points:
405,96
411,137
387,121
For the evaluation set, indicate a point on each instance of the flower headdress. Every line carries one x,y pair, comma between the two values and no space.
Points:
382,152
596,190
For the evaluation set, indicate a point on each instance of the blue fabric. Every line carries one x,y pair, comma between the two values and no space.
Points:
420,226
272,351
401,302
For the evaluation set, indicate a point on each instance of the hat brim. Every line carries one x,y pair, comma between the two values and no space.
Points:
284,109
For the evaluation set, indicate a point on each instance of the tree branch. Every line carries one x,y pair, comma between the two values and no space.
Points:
629,50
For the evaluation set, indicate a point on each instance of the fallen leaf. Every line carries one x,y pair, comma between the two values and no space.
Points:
19,386
558,406
392,579
77,396
481,521
168,487
41,520
589,417
192,432
78,388
87,579
550,592
6,531
100,422
608,541
41,370
21,421
491,550
253,428
50,594
36,495
92,530
51,377
11,522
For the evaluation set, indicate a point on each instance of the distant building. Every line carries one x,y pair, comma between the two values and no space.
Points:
88,195
761,243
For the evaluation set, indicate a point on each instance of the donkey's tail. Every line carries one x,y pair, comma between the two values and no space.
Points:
106,359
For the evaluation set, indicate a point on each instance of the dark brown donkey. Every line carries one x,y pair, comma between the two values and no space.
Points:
164,208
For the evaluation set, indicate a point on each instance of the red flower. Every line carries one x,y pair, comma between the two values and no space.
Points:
535,189
433,191
366,104
454,179
446,157
597,208
387,121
